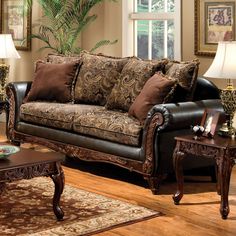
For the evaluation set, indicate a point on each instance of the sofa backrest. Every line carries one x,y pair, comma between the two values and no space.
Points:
205,89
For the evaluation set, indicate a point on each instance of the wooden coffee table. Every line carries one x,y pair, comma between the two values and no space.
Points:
27,164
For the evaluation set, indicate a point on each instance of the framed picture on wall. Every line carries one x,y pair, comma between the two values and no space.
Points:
17,22
214,22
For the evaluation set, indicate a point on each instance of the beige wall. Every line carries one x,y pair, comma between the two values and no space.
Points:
108,25
188,40
22,69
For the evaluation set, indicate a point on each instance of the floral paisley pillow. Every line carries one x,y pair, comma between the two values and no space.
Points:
186,74
96,78
132,79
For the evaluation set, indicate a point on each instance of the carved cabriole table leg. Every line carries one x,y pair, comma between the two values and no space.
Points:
218,181
222,150
225,165
59,181
177,162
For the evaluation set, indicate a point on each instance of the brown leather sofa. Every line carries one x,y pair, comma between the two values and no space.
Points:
152,158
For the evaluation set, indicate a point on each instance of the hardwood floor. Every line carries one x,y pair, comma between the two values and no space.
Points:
197,215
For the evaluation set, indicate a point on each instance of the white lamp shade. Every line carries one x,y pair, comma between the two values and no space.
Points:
224,63
7,47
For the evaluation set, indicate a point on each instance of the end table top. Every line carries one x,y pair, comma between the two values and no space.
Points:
216,141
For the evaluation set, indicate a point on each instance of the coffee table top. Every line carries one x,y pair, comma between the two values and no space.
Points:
28,157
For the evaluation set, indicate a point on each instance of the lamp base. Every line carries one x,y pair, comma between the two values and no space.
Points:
228,100
4,70
226,131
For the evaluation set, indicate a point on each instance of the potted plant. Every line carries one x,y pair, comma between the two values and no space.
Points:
62,23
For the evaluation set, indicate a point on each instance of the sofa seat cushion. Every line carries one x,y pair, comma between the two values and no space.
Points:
57,115
109,125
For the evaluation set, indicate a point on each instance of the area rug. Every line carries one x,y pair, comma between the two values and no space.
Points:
26,209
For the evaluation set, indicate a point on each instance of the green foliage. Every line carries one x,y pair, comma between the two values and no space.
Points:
62,23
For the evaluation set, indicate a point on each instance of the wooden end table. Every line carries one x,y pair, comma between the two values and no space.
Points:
27,164
222,149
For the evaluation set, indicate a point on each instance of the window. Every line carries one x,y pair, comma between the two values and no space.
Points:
151,28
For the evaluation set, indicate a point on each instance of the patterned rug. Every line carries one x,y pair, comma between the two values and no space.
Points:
26,209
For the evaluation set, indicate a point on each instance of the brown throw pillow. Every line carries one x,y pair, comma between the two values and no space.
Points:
52,82
61,59
155,91
186,73
132,79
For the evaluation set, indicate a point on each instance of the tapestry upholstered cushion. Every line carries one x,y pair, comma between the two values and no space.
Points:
186,75
60,59
57,115
85,119
107,124
156,91
96,78
52,82
132,79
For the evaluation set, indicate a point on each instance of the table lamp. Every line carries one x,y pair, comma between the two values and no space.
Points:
224,67
7,50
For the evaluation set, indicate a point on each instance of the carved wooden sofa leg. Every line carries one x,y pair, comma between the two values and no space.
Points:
16,143
154,182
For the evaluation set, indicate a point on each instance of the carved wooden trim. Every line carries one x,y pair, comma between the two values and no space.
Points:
199,149
82,153
157,119
148,165
27,172
232,155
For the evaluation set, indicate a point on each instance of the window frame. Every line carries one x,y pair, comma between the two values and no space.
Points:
129,16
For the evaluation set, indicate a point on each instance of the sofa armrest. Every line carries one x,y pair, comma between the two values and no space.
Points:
205,89
174,116
16,91
168,121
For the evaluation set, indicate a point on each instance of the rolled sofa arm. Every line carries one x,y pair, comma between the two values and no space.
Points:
16,92
175,116
163,123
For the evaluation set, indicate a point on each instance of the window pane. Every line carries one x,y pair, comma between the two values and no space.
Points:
171,5
142,5
158,5
157,39
162,41
142,40
170,39
163,5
